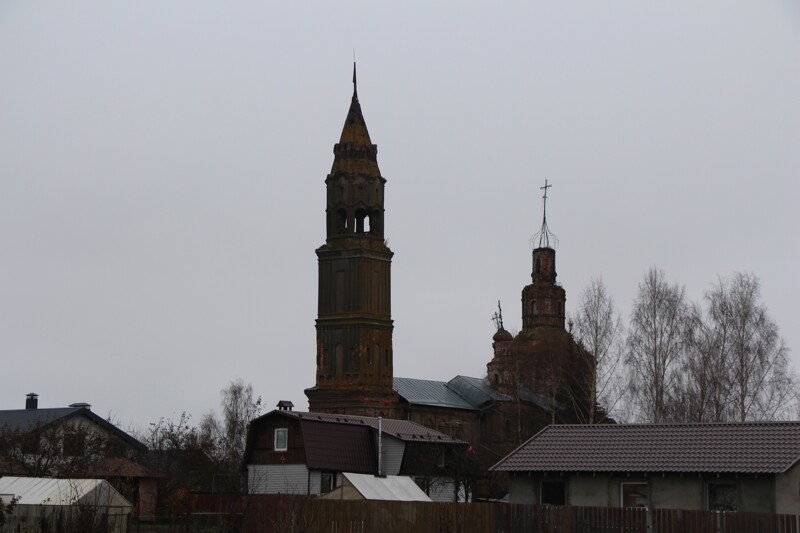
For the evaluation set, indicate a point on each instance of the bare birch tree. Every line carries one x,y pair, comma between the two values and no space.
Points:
654,346
762,385
597,326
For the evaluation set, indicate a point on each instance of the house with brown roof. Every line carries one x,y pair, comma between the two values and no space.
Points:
750,466
290,452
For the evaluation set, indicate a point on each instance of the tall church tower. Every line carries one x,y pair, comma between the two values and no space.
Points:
354,320
543,358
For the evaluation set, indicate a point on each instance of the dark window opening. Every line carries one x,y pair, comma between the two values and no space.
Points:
554,493
362,221
538,267
723,497
635,495
327,482
341,219
74,444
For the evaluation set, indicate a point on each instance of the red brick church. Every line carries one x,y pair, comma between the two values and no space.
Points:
534,379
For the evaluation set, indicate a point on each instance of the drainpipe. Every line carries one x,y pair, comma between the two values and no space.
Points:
380,446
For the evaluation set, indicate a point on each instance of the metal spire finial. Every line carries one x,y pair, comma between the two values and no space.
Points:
545,238
355,83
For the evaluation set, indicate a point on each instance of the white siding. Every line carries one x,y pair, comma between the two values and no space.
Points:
283,479
392,451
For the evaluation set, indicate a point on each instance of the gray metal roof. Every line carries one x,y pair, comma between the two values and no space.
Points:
428,392
750,447
476,390
29,419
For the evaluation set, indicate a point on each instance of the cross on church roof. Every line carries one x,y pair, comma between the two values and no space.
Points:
497,317
545,238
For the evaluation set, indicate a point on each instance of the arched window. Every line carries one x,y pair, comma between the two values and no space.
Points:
362,221
538,266
533,307
341,220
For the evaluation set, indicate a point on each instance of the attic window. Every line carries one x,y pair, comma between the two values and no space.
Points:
281,439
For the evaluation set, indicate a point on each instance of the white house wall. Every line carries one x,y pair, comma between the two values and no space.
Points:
392,455
281,479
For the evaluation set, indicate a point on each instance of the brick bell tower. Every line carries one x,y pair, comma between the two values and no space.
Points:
543,300
354,321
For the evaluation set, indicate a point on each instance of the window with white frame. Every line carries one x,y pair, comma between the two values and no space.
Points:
281,443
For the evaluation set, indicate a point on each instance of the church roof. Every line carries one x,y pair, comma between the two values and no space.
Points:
355,153
432,393
461,392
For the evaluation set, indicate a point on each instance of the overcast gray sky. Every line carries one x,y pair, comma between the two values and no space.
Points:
162,168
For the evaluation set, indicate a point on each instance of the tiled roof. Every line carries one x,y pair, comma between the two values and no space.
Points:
750,447
428,392
402,429
339,447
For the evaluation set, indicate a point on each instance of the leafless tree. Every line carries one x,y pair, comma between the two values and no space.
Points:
762,386
655,344
597,326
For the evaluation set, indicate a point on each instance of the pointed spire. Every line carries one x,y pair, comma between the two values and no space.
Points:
355,83
355,151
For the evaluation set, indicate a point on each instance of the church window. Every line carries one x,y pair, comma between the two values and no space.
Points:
533,307
341,219
362,221
339,360
538,267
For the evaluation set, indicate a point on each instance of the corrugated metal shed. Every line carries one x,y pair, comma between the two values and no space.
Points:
392,488
47,491
433,393
743,448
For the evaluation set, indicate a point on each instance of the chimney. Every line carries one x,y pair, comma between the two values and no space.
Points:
81,405
285,405
32,401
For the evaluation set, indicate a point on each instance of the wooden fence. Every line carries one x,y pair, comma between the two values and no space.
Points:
298,514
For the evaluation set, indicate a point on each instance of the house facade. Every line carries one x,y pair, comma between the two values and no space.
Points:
751,467
290,452
73,441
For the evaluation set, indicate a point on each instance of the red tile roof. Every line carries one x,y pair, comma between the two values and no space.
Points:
751,447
